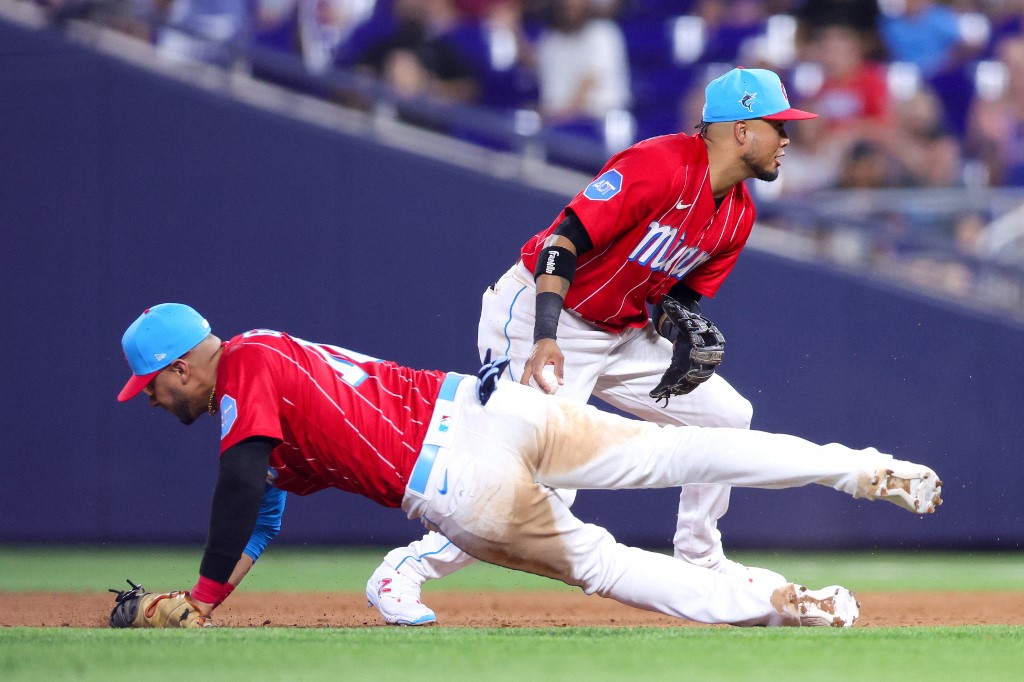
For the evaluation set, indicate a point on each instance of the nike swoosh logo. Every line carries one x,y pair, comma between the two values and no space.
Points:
681,206
444,486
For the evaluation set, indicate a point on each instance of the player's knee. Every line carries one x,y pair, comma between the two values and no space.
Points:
738,414
566,496
596,566
732,412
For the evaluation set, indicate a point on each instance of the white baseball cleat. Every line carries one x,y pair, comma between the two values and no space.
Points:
915,488
397,598
832,606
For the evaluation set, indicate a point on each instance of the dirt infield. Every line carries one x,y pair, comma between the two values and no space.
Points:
502,609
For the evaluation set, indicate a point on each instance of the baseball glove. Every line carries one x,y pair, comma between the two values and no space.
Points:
697,349
136,608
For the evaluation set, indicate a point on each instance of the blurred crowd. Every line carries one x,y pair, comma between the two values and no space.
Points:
912,93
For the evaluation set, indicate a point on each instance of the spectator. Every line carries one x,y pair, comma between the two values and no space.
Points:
1001,240
477,9
968,229
859,15
864,166
275,25
608,9
203,30
1006,18
497,43
853,97
324,25
582,68
995,133
727,25
418,57
928,155
922,32
132,17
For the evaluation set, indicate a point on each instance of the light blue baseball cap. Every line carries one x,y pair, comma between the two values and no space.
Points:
159,336
743,94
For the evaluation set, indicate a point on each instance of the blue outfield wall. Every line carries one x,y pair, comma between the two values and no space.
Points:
119,189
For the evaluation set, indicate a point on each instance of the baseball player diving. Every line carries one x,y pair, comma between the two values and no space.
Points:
472,457
661,225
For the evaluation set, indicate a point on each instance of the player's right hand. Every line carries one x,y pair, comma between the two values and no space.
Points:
545,352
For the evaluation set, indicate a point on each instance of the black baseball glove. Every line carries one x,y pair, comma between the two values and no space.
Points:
698,348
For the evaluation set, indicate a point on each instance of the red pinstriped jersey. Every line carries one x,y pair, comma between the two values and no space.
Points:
653,221
345,420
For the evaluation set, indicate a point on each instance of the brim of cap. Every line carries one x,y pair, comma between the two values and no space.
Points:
135,385
790,115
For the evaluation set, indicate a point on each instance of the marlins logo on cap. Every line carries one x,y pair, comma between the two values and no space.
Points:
743,94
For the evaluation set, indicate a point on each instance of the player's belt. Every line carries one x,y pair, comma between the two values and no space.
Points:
438,434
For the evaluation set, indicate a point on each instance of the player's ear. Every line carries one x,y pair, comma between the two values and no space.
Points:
180,368
739,131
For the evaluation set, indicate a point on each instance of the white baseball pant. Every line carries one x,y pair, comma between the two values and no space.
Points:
487,484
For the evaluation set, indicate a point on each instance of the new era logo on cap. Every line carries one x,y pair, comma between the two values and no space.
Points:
743,94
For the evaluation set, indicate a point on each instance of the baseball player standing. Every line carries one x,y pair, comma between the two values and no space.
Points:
661,225
472,457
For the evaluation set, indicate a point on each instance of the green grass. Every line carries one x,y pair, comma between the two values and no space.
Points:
343,570
449,654
454,654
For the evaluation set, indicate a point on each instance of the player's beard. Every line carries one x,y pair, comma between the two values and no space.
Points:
183,413
757,169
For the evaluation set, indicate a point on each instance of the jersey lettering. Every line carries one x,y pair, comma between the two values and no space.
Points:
664,261
341,360
657,240
652,251
682,254
691,261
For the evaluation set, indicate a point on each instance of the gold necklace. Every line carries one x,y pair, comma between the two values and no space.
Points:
209,406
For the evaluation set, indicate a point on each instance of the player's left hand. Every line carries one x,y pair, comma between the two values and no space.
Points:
136,608
698,349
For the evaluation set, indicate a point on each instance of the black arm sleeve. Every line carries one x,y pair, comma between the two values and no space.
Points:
572,229
236,505
686,297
